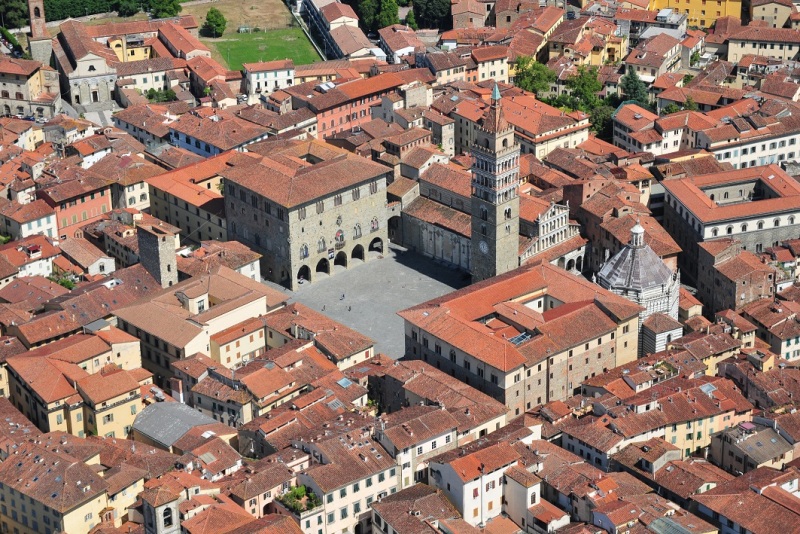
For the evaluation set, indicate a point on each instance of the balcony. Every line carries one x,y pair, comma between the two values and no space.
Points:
339,245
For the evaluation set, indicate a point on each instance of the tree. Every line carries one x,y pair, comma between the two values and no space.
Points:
432,13
670,108
690,104
584,88
163,9
411,21
602,125
127,8
634,88
533,76
388,14
368,13
14,13
214,26
695,58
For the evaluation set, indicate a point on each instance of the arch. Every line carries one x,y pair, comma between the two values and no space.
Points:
303,251
791,219
744,227
570,265
37,12
776,222
167,517
505,143
304,273
760,225
483,229
356,231
376,245
579,264
323,266
714,232
358,253
561,262
729,230
341,259
484,213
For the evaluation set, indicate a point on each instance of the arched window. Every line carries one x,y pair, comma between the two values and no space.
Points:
356,231
484,214
729,230
760,225
507,213
373,225
486,143
37,12
483,229
303,251
505,143
791,219
321,244
167,516
744,227
725,196
91,68
776,222
339,236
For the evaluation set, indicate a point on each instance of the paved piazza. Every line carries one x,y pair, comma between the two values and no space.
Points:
375,291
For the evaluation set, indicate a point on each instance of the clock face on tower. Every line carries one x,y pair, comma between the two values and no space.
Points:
484,247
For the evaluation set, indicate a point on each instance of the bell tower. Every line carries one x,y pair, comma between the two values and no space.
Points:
39,41
495,195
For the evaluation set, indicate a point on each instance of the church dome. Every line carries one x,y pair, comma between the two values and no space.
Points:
636,267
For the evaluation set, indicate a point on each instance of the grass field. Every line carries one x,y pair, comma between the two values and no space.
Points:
237,48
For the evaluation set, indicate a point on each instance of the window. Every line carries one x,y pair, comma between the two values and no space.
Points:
167,516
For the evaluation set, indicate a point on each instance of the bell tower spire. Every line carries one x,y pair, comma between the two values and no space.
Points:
495,194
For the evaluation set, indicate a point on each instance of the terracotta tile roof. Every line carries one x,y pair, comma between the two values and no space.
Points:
231,254
223,130
269,66
333,338
126,169
409,510
18,67
440,215
417,424
689,191
290,182
99,388
183,41
495,457
655,235
55,480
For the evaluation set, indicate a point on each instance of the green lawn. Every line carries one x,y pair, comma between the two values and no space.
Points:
236,48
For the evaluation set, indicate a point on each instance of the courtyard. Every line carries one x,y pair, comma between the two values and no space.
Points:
375,291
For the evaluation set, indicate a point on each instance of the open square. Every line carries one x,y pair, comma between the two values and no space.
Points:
375,291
